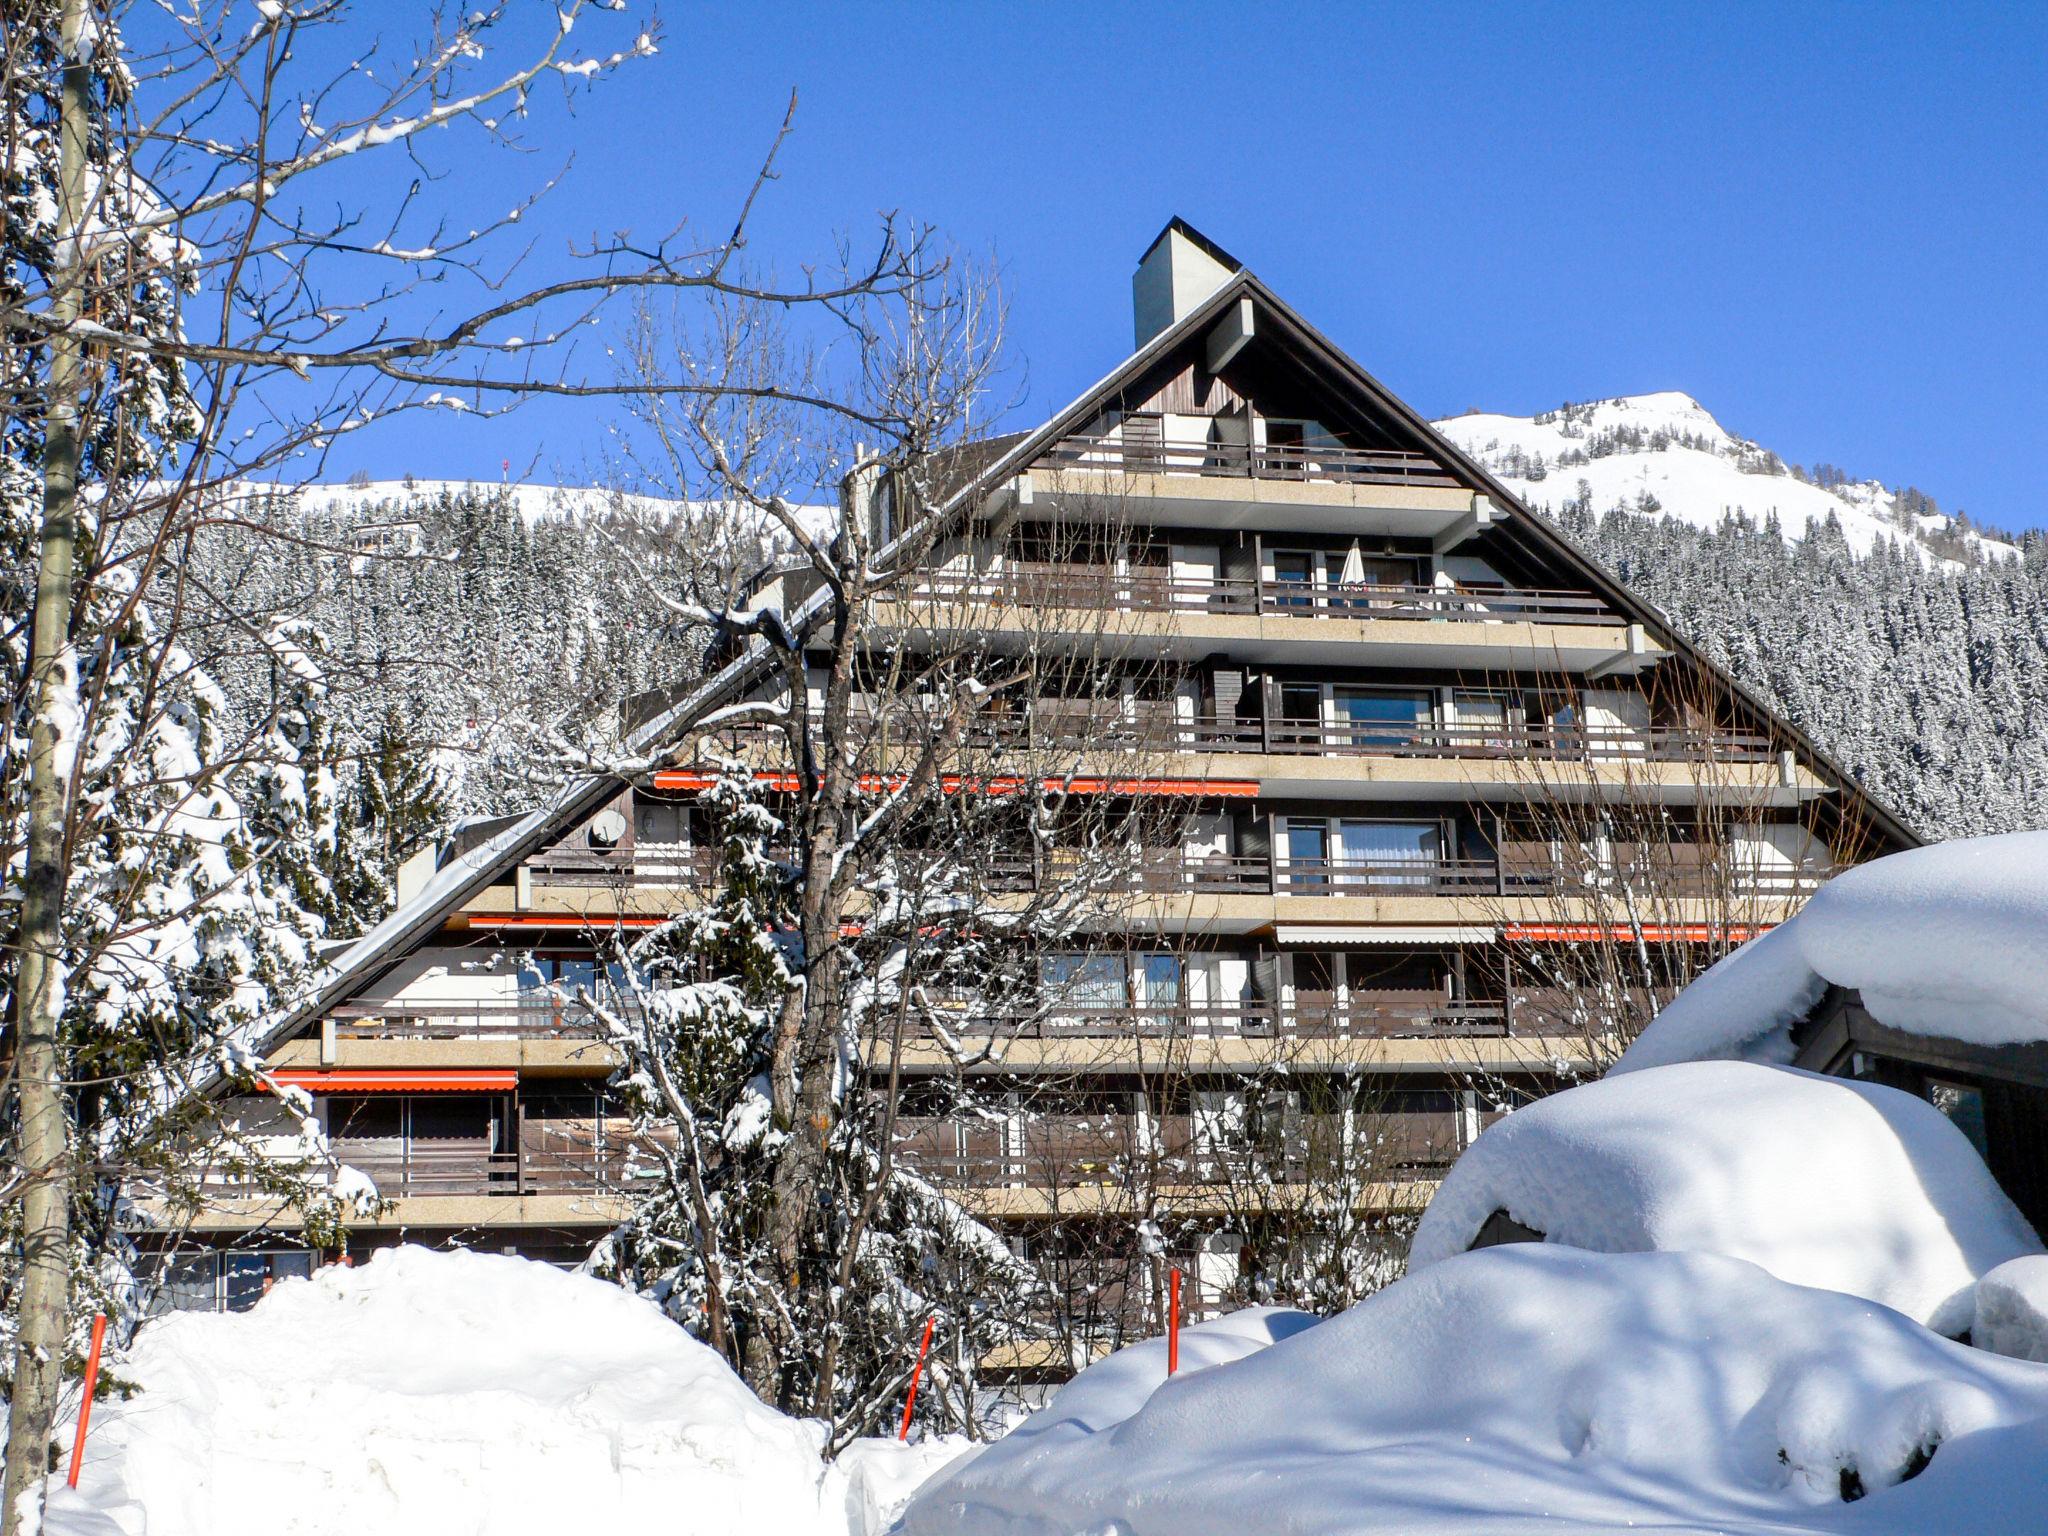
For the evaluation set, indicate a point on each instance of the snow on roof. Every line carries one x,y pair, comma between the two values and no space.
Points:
1948,940
1847,1186
1537,1388
429,1393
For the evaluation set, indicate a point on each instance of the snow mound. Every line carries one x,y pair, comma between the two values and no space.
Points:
1841,1185
1664,454
1948,940
1535,1388
2012,1309
449,1393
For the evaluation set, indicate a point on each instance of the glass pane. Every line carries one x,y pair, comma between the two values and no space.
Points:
291,1266
1160,977
1307,841
1964,1107
451,1117
1381,719
188,1284
1386,842
247,1276
534,973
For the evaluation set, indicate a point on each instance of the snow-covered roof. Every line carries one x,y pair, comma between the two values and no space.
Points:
1949,940
1848,1186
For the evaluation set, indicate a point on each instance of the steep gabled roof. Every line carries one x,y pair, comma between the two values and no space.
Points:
993,461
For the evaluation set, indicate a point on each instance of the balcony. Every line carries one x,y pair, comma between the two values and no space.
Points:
1196,483
1301,1017
1165,616
1067,1152
1038,586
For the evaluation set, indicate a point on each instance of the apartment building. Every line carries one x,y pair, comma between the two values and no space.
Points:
1394,771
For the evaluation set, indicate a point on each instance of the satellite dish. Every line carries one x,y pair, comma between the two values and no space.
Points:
606,828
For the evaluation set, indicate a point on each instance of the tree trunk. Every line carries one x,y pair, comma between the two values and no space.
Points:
45,1302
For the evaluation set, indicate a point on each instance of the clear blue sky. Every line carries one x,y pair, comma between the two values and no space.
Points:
1828,222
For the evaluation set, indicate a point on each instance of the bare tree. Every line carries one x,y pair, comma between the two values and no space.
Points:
206,285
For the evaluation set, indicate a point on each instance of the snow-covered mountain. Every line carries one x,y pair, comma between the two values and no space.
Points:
1665,455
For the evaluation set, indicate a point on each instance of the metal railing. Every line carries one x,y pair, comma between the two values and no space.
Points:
1139,453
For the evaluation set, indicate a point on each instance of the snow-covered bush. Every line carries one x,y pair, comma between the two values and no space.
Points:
449,1393
1847,1186
1540,1388
2012,1309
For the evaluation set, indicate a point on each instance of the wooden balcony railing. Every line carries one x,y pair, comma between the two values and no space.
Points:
1142,453
1302,1017
1035,586
417,1168
1160,731
1059,1151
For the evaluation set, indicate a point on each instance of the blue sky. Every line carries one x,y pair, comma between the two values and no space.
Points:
1828,222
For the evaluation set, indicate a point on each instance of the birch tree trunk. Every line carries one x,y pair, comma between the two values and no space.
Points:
39,995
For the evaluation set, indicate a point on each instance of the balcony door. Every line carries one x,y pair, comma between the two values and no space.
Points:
1294,578
1308,856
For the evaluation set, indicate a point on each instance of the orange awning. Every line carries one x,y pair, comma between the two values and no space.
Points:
955,783
449,1080
1655,933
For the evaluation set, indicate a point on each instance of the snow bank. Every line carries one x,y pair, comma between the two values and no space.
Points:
1536,1388
1846,1186
1947,940
2012,1309
448,1393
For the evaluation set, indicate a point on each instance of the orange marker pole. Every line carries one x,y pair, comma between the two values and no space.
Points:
1173,1321
916,1371
92,1377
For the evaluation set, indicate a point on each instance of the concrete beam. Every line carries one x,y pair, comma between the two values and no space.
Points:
1482,516
1230,335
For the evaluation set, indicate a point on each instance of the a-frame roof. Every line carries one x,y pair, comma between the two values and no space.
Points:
464,877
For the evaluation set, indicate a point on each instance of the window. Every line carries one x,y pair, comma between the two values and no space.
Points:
1294,570
1373,719
1485,719
1090,983
246,1278
1379,851
1964,1107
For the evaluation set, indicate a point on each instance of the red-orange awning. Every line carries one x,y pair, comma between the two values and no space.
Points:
446,1080
1654,933
955,783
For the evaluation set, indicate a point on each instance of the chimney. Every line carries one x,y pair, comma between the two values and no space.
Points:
1181,269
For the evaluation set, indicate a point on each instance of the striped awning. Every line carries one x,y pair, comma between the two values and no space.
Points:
446,1080
1293,933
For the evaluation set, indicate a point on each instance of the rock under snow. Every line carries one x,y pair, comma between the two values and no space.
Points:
1538,1388
1947,940
450,1393
2012,1309
1846,1186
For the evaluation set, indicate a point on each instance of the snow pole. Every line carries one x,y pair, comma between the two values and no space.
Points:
92,1378
1172,1321
916,1371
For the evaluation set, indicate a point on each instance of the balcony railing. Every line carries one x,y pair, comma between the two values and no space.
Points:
459,1019
1161,731
1073,1152
1177,871
417,1169
1299,1018
1034,586
1141,454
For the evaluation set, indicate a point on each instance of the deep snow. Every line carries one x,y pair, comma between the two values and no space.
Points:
1539,1388
1849,1187
447,1393
1948,940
